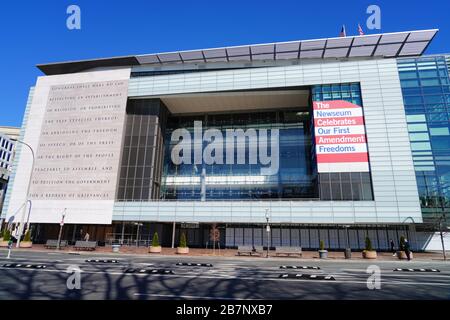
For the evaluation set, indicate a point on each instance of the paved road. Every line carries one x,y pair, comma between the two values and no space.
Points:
227,278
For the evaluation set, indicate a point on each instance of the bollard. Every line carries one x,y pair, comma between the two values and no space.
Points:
10,243
348,253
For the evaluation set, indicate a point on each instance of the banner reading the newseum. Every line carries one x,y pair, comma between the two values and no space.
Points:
340,137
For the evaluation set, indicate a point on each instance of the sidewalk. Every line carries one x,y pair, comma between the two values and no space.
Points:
196,252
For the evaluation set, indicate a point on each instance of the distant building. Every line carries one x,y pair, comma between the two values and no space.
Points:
6,157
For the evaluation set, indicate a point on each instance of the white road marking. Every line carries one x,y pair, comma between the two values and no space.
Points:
189,297
247,278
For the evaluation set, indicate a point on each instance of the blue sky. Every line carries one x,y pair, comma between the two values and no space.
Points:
33,32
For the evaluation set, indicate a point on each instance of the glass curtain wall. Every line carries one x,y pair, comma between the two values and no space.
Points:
295,179
426,94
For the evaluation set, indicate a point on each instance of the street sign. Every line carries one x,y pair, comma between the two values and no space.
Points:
268,228
214,234
191,225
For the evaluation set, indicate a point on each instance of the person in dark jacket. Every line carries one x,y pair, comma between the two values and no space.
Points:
392,247
407,250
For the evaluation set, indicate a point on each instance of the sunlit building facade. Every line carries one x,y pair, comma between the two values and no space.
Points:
328,139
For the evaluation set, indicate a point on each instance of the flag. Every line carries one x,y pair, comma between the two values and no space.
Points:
343,33
360,30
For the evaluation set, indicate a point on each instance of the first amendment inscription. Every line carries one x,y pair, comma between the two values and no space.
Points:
79,147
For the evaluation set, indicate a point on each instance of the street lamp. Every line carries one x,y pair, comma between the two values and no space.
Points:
137,232
22,220
60,228
348,250
268,232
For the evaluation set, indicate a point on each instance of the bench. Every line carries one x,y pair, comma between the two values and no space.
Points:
287,251
249,250
53,244
85,245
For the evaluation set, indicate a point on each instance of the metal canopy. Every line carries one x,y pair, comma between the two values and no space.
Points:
387,45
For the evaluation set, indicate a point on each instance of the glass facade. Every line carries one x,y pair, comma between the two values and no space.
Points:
140,171
295,179
426,92
148,171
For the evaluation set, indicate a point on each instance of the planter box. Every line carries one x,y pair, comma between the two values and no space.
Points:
182,250
369,254
26,244
323,254
155,249
4,244
402,255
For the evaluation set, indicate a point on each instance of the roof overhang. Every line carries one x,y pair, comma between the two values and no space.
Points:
231,101
386,45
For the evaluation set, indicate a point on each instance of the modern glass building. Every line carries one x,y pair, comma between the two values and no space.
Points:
6,158
329,139
426,92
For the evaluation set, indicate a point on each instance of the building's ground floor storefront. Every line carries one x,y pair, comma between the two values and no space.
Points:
335,237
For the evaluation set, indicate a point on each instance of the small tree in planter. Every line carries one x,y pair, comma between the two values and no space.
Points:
402,243
183,248
155,247
369,253
6,237
26,242
27,237
401,254
323,254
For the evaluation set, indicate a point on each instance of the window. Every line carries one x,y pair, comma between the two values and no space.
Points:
350,186
296,178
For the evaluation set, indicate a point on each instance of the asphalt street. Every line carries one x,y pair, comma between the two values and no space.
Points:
45,275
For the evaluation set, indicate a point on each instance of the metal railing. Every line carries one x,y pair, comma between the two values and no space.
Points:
126,239
234,200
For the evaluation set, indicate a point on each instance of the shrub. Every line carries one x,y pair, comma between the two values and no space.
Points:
368,244
183,243
6,235
27,237
402,243
322,245
155,241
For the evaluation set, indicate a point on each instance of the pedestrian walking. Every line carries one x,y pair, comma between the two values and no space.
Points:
86,237
407,250
392,247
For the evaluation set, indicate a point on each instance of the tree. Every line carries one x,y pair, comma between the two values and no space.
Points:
402,243
155,240
183,243
368,244
6,235
322,245
27,237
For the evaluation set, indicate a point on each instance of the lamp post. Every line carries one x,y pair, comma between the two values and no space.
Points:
138,224
348,250
22,220
268,232
442,219
60,228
